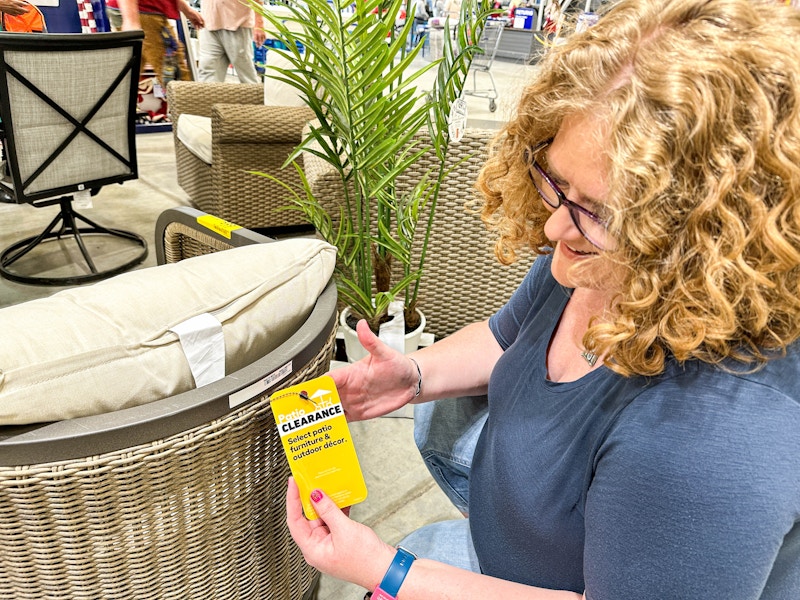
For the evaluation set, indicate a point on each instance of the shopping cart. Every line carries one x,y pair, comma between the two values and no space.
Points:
482,62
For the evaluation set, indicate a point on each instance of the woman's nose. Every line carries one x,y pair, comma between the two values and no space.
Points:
560,225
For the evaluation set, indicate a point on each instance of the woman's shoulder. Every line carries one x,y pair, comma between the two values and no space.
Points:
699,473
734,393
538,293
699,415
773,385
539,280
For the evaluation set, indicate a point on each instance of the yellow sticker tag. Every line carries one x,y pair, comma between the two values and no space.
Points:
317,442
220,226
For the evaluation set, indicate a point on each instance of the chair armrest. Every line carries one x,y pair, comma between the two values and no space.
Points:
181,233
196,98
237,124
325,183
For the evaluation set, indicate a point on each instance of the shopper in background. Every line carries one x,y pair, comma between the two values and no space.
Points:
452,9
231,28
422,12
162,48
643,429
13,7
18,16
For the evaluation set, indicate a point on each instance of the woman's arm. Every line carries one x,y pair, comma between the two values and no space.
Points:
259,35
338,546
195,18
458,365
129,11
13,7
385,380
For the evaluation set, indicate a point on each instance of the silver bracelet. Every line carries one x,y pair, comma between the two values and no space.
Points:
419,378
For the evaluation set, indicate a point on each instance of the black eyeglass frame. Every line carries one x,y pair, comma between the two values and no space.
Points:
572,207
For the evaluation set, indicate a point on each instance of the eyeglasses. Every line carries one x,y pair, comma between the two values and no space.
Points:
592,226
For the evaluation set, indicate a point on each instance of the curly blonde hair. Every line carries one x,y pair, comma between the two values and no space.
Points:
701,103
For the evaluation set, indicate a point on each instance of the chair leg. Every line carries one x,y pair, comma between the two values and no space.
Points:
70,225
67,222
28,244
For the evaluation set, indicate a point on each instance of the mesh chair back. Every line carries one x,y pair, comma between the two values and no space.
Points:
68,107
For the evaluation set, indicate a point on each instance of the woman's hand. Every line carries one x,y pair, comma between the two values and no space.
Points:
335,544
13,7
385,380
342,548
194,17
259,35
379,383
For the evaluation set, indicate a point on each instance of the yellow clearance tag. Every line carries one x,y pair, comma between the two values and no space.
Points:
317,442
221,226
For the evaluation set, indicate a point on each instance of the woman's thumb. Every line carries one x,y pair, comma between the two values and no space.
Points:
371,342
365,335
326,508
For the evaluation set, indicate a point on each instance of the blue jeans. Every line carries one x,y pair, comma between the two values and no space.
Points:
448,542
446,433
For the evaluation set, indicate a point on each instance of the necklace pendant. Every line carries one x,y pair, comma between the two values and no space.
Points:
589,357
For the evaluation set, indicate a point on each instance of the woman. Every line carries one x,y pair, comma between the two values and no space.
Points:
162,49
642,438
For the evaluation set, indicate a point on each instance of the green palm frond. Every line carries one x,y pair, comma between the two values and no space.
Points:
355,74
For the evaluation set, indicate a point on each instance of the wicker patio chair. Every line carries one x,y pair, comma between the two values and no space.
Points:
246,136
182,498
463,282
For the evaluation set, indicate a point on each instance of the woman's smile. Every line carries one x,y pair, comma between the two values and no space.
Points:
574,253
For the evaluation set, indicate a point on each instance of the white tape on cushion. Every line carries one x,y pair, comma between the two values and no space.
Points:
203,345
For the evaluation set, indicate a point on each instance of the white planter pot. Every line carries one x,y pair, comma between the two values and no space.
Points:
355,351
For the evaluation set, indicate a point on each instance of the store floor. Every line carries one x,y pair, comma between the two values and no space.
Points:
402,496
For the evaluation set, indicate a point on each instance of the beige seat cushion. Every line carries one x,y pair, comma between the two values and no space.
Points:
109,346
195,133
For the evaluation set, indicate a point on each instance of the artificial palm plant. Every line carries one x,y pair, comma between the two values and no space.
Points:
351,65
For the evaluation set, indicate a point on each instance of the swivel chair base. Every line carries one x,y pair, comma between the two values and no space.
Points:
66,222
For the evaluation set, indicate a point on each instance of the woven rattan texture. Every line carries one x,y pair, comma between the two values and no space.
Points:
462,282
198,515
196,99
246,136
181,241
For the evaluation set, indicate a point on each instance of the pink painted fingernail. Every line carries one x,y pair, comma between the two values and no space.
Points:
316,495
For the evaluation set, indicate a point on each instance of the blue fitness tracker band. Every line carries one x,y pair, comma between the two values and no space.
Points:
388,588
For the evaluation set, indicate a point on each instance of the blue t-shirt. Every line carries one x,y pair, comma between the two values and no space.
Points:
680,486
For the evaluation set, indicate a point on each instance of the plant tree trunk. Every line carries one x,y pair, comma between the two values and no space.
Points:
382,263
